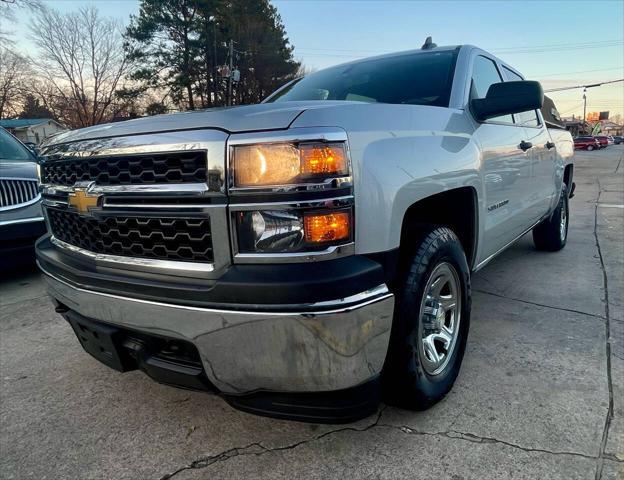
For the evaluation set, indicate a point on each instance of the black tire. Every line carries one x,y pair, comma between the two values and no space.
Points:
549,235
406,382
590,148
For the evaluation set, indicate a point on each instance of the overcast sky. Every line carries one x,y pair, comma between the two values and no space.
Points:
560,43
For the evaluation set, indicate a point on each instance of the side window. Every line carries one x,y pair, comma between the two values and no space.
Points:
484,74
530,118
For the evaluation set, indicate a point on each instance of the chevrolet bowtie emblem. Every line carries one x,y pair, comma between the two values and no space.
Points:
82,200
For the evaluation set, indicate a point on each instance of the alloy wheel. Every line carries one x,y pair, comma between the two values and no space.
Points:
440,316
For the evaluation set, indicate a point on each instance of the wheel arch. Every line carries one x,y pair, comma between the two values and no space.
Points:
568,176
457,209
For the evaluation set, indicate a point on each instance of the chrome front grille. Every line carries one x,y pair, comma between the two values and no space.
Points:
15,193
156,202
156,168
174,238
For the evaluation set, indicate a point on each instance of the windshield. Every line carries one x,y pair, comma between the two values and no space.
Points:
11,149
422,78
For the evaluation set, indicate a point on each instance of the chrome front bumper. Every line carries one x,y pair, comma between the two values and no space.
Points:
334,345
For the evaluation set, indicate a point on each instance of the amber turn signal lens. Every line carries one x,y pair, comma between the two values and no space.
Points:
323,159
327,227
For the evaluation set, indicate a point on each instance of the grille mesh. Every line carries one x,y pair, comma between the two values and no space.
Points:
178,167
180,239
17,192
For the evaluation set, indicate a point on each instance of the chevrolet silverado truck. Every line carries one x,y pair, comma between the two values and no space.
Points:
308,256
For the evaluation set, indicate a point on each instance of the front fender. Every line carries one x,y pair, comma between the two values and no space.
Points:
401,154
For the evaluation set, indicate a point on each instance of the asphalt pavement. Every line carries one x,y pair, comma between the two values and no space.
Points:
540,394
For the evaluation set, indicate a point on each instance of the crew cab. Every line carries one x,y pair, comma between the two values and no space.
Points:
304,256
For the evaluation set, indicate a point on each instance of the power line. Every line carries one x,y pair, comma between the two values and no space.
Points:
583,86
578,71
559,48
346,53
566,44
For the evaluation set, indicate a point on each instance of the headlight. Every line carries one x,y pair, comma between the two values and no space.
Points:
287,164
275,231
39,177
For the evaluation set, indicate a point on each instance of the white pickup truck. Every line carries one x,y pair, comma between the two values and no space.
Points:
307,255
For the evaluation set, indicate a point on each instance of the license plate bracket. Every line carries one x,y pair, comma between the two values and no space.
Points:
103,342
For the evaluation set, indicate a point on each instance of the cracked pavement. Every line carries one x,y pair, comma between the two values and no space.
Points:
540,394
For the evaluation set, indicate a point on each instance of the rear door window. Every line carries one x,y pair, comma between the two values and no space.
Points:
528,118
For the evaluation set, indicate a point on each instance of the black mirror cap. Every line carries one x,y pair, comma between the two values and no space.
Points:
506,98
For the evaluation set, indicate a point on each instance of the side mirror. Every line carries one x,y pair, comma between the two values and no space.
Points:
508,97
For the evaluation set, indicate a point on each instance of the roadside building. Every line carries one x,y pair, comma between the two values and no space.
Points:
607,127
576,126
32,130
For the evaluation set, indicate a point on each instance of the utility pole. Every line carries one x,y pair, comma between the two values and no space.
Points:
231,56
584,106
215,72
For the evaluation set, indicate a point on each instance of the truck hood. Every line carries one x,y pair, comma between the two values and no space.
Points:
247,118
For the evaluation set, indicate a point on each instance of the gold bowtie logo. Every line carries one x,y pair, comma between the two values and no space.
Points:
82,200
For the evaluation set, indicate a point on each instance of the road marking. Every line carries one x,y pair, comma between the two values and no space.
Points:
610,205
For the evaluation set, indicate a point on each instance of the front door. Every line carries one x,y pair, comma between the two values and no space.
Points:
506,167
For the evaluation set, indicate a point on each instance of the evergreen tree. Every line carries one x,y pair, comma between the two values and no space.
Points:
178,45
33,109
163,42
266,59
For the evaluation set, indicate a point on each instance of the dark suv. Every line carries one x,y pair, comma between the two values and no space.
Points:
21,219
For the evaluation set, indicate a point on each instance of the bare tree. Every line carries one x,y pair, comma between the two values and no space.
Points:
8,8
81,57
14,71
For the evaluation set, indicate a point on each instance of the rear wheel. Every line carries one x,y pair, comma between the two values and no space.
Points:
552,234
590,147
431,322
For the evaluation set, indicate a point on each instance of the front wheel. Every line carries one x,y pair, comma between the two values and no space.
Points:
431,322
551,234
590,148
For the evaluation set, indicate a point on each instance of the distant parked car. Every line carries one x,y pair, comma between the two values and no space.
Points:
603,140
21,219
586,143
617,139
610,139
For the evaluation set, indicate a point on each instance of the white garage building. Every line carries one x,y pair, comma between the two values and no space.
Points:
32,130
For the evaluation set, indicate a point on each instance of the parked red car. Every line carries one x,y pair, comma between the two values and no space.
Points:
603,140
586,143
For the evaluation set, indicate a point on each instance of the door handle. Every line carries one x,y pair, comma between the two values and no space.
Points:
524,146
550,145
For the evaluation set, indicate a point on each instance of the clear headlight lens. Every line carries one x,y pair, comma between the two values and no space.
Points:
279,231
286,164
